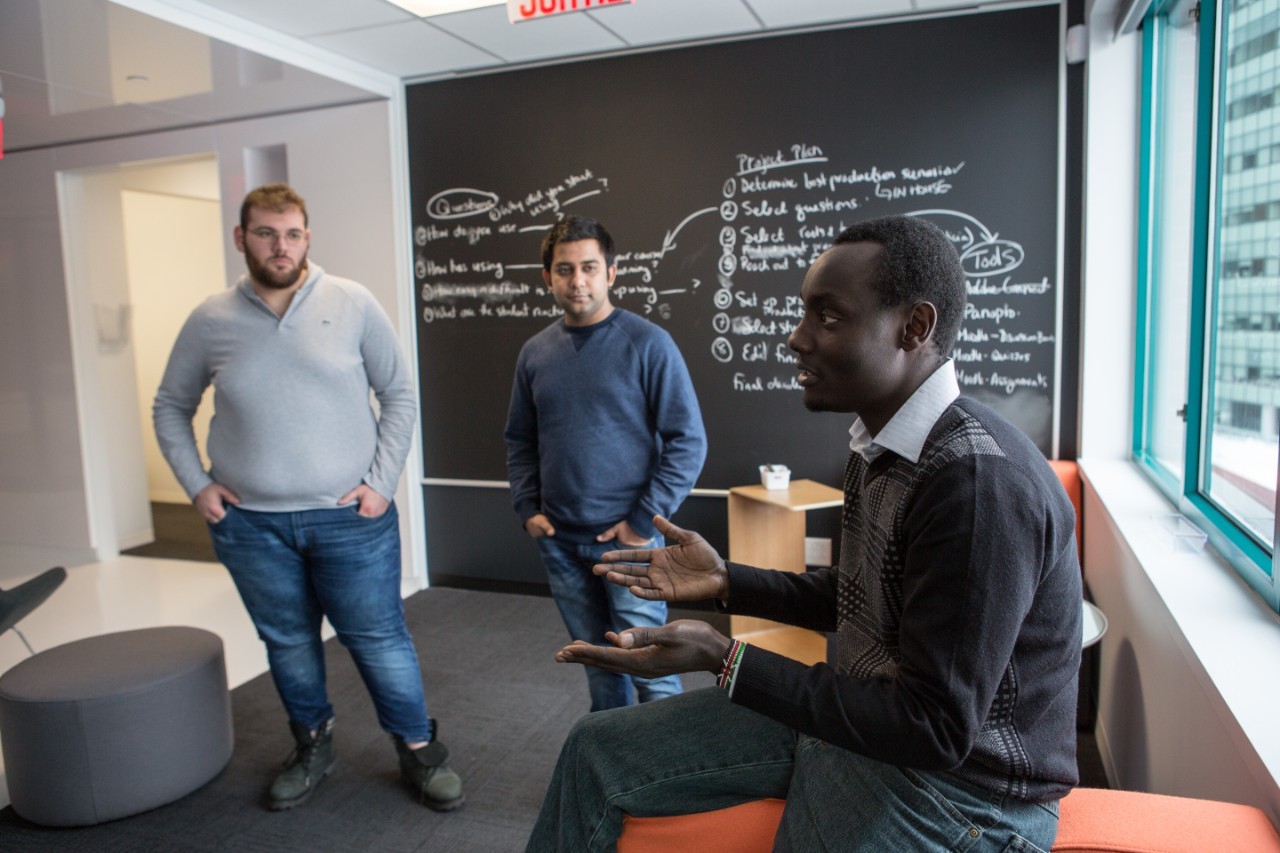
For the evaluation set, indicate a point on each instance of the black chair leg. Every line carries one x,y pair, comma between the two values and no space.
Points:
18,602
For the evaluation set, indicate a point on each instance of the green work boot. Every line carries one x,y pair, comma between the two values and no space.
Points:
311,761
424,769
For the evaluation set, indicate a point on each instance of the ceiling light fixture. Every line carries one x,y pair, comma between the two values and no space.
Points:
427,8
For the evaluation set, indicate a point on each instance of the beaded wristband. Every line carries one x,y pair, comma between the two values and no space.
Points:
724,662
729,667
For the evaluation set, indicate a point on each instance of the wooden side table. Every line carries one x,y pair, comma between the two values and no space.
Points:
766,529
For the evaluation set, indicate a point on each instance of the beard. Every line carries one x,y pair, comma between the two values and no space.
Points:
269,276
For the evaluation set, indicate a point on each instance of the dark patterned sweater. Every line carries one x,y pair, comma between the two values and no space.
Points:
956,604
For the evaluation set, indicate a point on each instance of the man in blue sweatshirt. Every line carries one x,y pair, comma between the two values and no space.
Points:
298,498
603,433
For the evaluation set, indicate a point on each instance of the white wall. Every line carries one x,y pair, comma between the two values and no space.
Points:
98,293
1113,74
339,159
44,517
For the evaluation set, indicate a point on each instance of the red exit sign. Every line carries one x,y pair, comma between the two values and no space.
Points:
528,10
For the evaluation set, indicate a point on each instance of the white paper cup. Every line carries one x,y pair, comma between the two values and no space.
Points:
775,476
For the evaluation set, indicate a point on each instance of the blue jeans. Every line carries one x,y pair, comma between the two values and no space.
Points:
292,569
699,752
590,605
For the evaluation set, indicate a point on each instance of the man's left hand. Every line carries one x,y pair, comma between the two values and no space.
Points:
622,532
685,645
371,505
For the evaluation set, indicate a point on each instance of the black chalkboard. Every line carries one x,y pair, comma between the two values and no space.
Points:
722,171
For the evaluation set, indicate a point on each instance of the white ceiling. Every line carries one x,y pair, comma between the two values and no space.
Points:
73,70
382,35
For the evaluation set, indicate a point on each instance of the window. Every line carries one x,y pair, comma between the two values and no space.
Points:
1246,417
1209,340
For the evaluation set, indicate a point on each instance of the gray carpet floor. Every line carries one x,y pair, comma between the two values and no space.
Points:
504,708
180,534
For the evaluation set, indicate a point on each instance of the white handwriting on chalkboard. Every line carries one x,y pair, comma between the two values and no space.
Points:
790,306
622,291
984,287
460,203
980,336
424,234
757,383
896,192
973,354
762,163
764,208
444,292
472,233
1008,384
645,272
826,205
761,227
430,267
1024,337
761,185
787,250
1012,383
756,326
996,315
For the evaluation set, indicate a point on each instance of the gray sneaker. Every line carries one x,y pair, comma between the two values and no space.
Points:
425,771
310,761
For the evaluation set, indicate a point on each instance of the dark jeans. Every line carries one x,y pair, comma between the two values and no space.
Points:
292,569
590,605
698,752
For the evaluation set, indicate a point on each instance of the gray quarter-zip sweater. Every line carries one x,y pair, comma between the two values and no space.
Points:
293,425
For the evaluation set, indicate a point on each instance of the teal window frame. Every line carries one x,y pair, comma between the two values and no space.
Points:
1251,558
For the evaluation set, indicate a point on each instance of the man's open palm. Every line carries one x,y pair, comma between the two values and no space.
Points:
687,569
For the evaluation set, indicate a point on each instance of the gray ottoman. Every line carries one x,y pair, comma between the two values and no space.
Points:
114,725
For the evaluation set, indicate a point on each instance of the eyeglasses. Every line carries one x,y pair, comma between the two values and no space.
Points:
292,237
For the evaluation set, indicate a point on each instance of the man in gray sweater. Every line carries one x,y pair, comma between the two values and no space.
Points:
299,493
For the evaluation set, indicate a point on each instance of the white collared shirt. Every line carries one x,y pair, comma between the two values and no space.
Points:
907,430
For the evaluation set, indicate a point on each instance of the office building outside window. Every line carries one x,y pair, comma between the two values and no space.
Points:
1243,431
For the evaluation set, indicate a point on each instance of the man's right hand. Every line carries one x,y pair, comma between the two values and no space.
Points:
209,502
688,569
538,526
685,645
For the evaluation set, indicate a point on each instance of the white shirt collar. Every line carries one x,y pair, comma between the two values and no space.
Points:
907,430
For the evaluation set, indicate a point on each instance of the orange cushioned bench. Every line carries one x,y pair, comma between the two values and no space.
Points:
1094,820
1069,474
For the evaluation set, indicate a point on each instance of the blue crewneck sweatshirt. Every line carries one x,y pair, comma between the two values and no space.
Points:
605,430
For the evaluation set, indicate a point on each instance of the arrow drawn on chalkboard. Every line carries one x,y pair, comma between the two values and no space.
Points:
667,245
987,256
986,235
569,201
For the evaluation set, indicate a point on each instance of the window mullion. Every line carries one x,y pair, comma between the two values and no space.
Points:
1202,252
